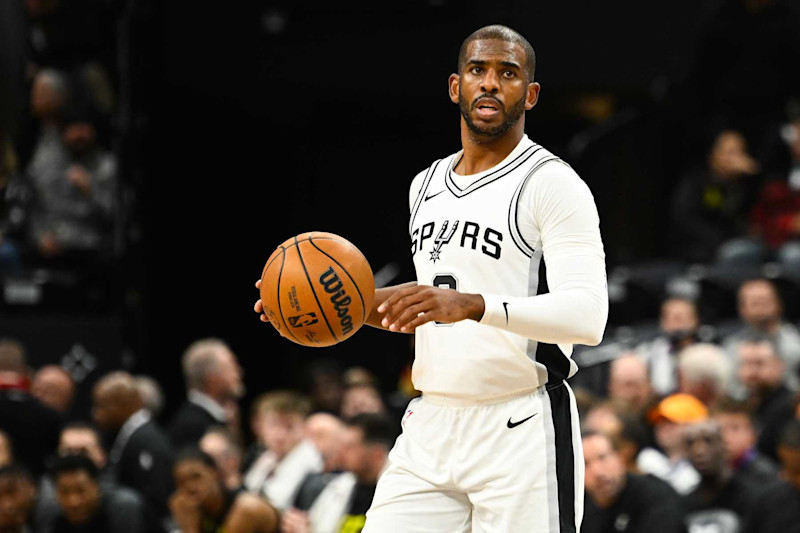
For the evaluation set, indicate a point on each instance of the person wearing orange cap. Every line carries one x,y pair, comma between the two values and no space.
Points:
669,418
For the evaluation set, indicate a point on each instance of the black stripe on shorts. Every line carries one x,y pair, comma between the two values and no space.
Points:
565,456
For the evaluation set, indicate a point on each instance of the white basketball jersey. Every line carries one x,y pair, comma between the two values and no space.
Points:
465,236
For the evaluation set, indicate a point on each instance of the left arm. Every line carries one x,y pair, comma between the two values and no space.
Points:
575,310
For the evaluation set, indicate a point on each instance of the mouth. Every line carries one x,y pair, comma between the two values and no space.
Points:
487,107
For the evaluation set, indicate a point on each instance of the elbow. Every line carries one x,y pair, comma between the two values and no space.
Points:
592,337
594,326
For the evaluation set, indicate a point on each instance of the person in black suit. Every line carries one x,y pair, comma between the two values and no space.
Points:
31,442
214,382
140,456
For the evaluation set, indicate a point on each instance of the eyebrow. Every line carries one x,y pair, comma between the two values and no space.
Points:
482,62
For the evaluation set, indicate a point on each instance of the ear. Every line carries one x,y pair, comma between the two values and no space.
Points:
452,84
533,95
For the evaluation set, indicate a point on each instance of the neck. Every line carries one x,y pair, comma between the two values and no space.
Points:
482,153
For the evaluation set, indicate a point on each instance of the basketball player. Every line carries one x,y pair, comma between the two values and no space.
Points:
493,443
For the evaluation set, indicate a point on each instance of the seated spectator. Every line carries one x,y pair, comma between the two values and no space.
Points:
152,395
721,501
361,398
54,387
15,198
776,509
629,383
325,385
202,503
710,206
668,460
342,503
87,506
325,432
616,500
761,373
739,438
17,497
289,456
140,457
213,379
227,454
704,371
6,452
31,442
679,321
761,313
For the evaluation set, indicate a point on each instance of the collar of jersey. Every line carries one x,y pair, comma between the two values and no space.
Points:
509,164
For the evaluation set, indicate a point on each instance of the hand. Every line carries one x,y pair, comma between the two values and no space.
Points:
185,510
78,176
259,308
409,308
295,521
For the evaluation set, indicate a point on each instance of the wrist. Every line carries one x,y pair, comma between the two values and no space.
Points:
476,306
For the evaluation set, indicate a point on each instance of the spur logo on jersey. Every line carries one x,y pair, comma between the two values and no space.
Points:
468,235
341,302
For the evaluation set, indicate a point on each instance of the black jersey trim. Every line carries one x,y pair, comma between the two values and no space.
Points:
418,200
492,176
513,209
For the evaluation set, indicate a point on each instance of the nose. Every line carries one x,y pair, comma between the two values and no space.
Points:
490,82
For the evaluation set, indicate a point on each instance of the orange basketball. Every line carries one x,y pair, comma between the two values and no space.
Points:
317,289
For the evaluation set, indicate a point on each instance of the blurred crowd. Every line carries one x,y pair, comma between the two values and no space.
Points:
301,461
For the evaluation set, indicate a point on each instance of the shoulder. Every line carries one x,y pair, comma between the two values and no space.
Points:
652,488
553,176
124,498
253,508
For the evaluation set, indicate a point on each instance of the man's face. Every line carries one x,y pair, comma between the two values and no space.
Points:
629,382
493,89
355,453
728,149
704,448
759,367
790,465
738,435
82,442
105,410
361,399
196,480
53,388
228,376
16,501
678,316
605,471
78,494
759,305
281,432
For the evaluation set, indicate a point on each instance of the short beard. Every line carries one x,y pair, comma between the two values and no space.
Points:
512,117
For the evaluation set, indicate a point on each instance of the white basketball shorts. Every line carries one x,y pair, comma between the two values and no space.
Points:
513,466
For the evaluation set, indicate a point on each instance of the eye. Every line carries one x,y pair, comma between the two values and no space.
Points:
476,70
509,74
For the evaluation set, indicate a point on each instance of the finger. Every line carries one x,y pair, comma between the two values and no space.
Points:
258,307
400,306
390,301
409,314
258,284
417,322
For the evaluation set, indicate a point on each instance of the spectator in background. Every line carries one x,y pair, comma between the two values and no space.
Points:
361,398
17,498
325,385
54,387
776,508
704,371
213,379
227,454
761,372
87,506
629,383
679,321
325,432
31,441
15,199
721,502
140,456
739,438
668,460
6,451
709,207
152,395
201,502
616,500
289,456
761,312
342,504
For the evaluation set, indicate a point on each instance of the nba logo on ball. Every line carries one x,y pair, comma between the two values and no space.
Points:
319,289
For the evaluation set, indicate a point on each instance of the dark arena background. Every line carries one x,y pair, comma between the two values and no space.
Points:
237,125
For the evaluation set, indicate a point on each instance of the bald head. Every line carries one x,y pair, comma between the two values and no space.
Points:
12,356
54,387
210,366
629,382
500,33
325,431
760,305
114,399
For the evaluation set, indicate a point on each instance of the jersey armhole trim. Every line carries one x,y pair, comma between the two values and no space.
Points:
418,200
513,208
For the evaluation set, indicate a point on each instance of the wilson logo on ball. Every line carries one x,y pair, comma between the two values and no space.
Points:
341,302
300,321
